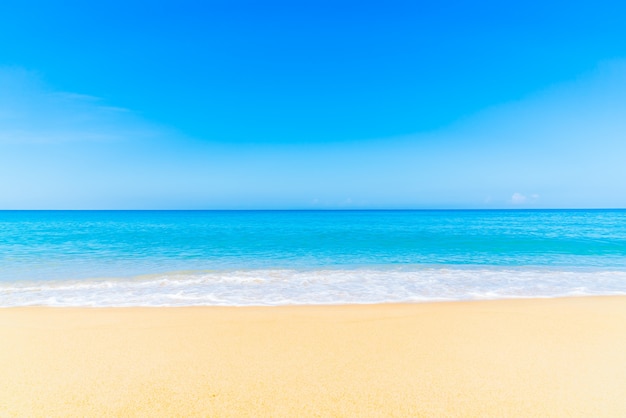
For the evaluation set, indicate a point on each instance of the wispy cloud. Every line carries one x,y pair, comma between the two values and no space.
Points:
32,112
61,150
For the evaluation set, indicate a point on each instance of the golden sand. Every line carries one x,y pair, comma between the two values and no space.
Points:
550,357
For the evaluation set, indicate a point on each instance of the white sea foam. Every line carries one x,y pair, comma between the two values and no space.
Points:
323,286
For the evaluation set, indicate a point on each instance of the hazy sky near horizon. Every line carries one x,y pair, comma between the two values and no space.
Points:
312,105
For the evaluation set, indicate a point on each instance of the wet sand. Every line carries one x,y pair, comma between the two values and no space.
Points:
536,357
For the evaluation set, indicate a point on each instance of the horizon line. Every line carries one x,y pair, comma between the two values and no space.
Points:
315,210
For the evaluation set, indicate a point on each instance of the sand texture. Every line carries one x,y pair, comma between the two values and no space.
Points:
542,357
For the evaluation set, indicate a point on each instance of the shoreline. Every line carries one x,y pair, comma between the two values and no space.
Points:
563,356
321,305
284,286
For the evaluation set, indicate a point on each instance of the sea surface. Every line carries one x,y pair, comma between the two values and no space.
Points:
184,258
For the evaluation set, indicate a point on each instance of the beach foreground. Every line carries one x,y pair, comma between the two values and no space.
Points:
534,357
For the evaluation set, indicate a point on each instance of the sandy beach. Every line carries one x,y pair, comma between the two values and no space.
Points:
535,357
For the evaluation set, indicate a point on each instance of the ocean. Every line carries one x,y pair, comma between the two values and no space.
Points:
189,258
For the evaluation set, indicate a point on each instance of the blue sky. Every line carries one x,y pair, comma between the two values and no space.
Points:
329,105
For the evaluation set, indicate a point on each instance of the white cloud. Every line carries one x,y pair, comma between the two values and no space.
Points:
518,198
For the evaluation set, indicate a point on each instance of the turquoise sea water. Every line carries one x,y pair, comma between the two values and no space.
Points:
168,258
